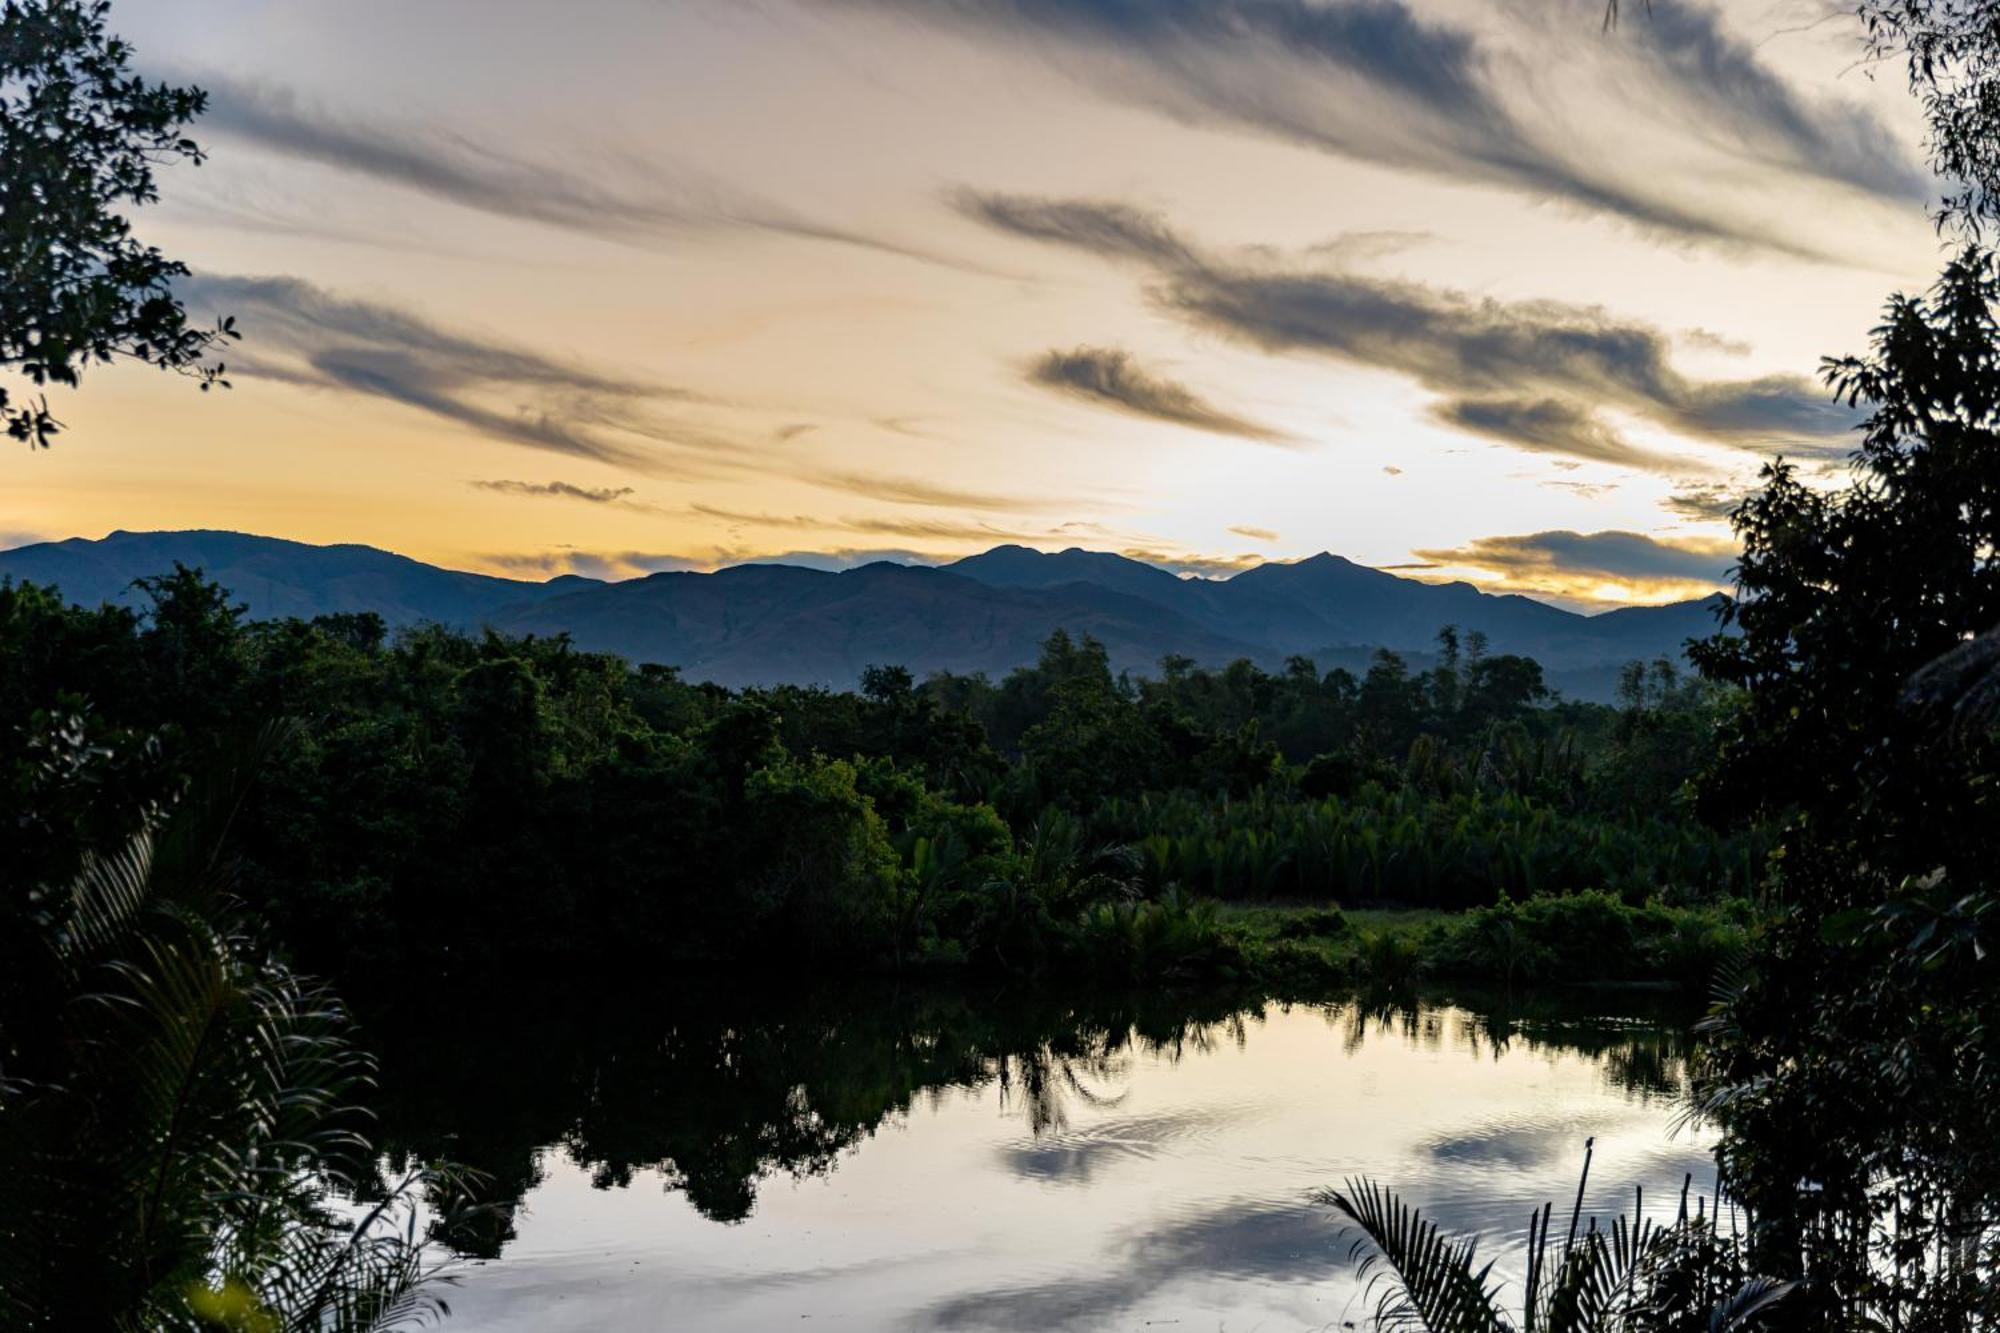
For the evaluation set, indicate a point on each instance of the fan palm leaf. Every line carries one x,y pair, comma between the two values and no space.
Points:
1633,1276
174,1157
1420,1278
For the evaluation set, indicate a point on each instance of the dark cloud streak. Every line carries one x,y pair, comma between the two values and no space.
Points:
1107,229
602,495
1533,373
629,202
302,334
1370,79
1546,425
1615,555
1107,377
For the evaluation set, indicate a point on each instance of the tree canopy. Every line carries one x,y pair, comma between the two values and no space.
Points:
82,136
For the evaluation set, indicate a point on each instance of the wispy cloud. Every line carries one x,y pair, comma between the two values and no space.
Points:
1254,534
300,333
609,565
1721,76
1190,562
1707,502
1376,81
841,558
1108,377
1532,373
557,490
1104,228
616,198
919,491
915,529
1588,490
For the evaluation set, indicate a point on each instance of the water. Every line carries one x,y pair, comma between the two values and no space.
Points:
898,1161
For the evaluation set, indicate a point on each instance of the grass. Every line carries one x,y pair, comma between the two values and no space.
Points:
1579,939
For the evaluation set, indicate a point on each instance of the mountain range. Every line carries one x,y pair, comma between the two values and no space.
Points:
765,624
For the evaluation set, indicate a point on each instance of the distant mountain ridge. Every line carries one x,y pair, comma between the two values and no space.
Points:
767,624
276,578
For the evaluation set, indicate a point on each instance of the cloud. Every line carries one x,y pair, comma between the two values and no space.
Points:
1686,46
1109,230
917,491
947,529
1200,566
1254,534
1708,340
615,565
1588,490
1545,425
609,565
1532,373
847,558
1106,376
1358,247
936,529
301,334
1704,501
1375,81
1595,566
557,490
618,199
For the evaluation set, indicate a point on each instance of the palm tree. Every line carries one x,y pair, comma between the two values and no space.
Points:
1634,1276
177,1147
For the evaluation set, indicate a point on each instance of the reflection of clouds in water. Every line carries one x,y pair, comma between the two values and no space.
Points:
1293,1242
1281,1243
1454,1193
879,1270
1127,1178
1072,1157
1251,1239
1525,1145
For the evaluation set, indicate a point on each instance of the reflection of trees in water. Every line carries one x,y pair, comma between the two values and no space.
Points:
1083,1055
717,1093
1642,1052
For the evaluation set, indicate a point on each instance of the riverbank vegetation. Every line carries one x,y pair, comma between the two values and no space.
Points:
468,802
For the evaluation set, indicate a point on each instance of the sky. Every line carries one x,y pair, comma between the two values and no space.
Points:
1463,290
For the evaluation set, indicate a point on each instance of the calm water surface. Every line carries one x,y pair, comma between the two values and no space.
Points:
956,1162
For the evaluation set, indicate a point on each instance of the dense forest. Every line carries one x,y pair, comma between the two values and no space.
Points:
198,805
471,802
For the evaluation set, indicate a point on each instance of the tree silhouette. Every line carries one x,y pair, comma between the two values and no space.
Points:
80,137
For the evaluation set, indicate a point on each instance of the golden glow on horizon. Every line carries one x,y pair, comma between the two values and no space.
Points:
814,350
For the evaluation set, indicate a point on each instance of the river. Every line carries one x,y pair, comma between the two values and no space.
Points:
703,1159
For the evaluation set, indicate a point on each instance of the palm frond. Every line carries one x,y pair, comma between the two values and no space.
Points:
1751,1301
1421,1278
1632,1276
103,900
179,1163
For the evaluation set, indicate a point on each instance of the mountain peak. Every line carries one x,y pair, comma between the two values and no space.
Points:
757,623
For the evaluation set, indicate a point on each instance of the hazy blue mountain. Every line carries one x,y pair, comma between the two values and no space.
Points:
759,624
275,578
1324,604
